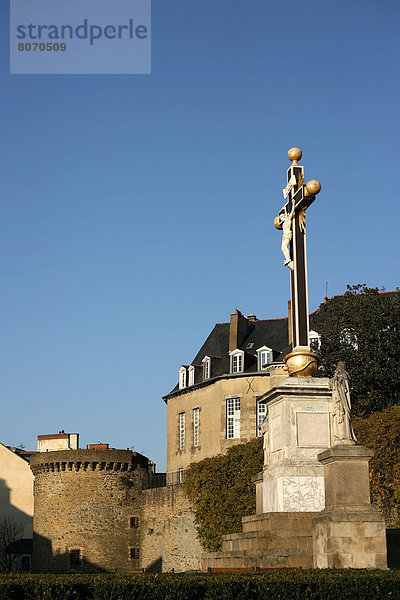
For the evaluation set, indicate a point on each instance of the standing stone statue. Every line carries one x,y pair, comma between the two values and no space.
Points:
343,434
265,434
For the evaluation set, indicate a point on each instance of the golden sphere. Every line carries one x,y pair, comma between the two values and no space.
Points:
313,187
301,362
294,155
277,223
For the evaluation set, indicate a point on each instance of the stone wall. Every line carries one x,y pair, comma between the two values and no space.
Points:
168,533
84,500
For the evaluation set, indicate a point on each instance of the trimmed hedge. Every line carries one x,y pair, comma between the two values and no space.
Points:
272,585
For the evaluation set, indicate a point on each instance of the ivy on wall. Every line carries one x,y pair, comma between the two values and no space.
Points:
381,432
222,492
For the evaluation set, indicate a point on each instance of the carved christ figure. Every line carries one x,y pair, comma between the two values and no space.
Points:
286,222
342,428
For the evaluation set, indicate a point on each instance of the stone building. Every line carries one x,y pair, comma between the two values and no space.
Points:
215,402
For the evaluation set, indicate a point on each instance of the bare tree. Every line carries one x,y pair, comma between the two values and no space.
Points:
11,530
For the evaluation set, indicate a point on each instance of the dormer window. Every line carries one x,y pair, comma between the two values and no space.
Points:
315,340
182,378
206,367
264,357
191,375
237,360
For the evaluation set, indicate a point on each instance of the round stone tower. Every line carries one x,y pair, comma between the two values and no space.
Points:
87,510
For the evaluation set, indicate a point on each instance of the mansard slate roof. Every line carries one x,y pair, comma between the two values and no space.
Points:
269,332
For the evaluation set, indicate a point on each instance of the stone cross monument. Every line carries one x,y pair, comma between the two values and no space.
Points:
291,220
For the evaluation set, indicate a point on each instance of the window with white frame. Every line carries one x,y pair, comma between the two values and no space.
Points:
191,375
182,431
196,426
233,418
264,357
261,414
237,360
206,367
315,340
181,474
182,378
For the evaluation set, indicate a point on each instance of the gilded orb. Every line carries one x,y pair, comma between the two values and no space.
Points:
301,362
277,223
313,187
294,155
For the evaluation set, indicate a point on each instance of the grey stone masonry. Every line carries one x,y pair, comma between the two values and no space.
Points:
348,532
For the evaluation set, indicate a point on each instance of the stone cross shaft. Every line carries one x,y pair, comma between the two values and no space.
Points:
291,219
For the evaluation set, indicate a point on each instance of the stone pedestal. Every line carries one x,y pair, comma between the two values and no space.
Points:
348,532
297,428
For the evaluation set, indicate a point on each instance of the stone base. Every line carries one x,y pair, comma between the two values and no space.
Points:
349,537
269,540
348,532
296,430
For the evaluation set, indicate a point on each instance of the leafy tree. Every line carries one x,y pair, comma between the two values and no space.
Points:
362,328
222,492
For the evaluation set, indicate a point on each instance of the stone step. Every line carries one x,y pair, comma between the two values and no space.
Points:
265,540
294,533
272,559
294,521
268,541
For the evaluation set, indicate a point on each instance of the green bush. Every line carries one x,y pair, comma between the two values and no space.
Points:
272,585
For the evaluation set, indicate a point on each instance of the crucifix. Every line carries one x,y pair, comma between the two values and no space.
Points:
291,220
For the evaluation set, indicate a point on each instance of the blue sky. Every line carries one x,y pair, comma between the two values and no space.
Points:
137,211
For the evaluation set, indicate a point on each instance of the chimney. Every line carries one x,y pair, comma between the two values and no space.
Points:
252,317
238,330
290,333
